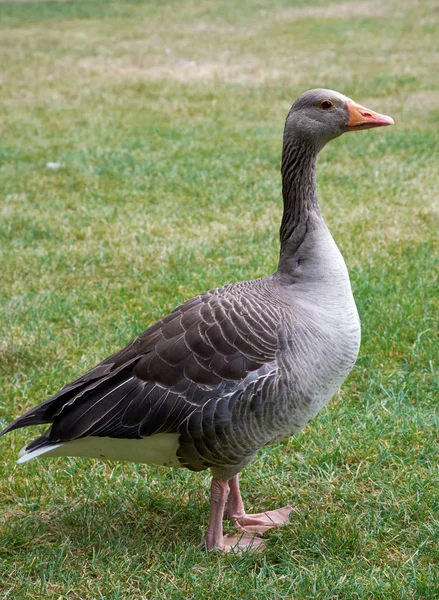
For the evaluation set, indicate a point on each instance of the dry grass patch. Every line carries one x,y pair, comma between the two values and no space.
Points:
343,10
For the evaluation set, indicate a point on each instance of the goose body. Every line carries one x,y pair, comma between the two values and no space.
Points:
237,367
303,349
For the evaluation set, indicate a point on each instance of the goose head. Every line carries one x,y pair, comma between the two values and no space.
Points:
320,115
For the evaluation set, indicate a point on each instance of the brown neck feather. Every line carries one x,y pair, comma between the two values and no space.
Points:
299,197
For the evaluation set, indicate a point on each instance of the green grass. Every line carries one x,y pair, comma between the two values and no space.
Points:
169,185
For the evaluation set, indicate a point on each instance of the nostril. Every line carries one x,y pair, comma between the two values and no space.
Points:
366,114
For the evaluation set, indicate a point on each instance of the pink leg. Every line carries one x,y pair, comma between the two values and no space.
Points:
256,523
219,492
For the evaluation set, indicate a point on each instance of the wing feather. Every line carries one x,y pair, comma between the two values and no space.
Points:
185,373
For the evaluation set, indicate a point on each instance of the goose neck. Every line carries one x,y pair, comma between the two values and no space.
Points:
299,198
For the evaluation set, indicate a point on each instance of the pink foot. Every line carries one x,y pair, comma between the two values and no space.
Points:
262,522
241,543
224,491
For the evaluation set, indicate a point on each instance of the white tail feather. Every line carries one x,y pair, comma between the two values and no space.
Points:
24,455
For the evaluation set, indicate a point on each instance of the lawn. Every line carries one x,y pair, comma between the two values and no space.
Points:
164,121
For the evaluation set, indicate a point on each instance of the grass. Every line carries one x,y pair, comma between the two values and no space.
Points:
167,121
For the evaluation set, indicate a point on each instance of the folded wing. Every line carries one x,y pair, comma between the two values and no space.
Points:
205,350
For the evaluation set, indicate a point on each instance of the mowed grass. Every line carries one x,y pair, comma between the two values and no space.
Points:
166,120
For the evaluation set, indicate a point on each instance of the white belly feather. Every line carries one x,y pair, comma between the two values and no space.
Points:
159,449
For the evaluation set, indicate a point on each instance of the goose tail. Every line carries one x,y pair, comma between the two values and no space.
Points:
26,453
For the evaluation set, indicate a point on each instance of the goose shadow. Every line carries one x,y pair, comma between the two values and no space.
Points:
110,516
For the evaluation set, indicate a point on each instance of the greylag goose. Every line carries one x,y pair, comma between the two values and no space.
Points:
237,367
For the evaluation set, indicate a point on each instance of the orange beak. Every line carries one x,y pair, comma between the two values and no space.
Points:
364,118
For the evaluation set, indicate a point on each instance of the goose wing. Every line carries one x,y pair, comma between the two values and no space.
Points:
204,350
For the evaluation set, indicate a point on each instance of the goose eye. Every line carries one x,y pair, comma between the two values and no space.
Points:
326,104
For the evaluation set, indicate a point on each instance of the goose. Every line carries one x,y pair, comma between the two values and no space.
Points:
237,367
